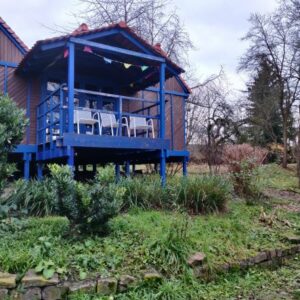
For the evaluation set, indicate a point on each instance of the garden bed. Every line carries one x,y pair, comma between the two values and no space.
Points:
151,240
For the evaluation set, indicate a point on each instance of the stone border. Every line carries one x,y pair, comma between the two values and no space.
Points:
264,258
34,286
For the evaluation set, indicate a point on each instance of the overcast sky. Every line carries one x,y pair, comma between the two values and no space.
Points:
215,27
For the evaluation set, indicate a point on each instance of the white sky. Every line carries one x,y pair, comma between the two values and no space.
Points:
215,27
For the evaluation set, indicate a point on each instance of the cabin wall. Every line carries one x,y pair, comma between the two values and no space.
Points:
18,88
26,93
174,108
8,51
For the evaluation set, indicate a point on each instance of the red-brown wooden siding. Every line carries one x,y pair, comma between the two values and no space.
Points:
8,51
17,87
178,112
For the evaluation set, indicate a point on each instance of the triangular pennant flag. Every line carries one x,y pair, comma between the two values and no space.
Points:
127,66
144,68
87,49
66,53
107,60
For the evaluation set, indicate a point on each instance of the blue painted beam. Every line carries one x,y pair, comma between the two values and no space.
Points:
162,79
113,142
177,153
26,148
47,155
117,50
8,64
102,34
53,45
92,36
71,79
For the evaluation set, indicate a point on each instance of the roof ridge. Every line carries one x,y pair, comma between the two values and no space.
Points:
13,34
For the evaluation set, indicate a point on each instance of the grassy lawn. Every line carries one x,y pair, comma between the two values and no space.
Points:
163,240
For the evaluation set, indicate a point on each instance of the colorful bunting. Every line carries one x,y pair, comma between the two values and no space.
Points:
127,66
87,49
107,60
66,53
144,68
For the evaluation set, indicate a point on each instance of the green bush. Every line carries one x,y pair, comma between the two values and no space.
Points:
144,192
196,195
12,127
38,198
88,207
203,194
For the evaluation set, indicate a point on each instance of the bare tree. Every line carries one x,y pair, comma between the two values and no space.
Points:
155,20
274,37
211,120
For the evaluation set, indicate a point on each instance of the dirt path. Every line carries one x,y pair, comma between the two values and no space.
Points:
292,199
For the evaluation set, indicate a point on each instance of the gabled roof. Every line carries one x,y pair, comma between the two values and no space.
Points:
83,31
13,36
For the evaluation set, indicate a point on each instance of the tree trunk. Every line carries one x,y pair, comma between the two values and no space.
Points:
298,150
285,145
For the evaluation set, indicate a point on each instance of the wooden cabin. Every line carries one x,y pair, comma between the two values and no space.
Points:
95,97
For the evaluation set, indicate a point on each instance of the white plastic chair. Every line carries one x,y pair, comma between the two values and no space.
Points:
85,117
108,120
141,123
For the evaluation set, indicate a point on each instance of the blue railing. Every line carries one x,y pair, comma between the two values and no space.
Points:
50,116
52,111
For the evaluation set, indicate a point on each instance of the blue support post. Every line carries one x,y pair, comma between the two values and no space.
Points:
40,171
163,167
162,79
27,159
70,161
117,172
162,126
184,166
71,78
127,168
120,116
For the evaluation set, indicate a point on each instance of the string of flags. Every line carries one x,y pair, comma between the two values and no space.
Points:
88,49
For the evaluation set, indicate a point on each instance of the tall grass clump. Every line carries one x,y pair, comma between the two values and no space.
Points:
203,194
170,250
144,192
38,198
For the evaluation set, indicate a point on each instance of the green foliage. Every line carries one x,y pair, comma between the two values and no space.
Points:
264,115
199,194
170,250
12,126
203,194
144,192
88,207
38,198
245,182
